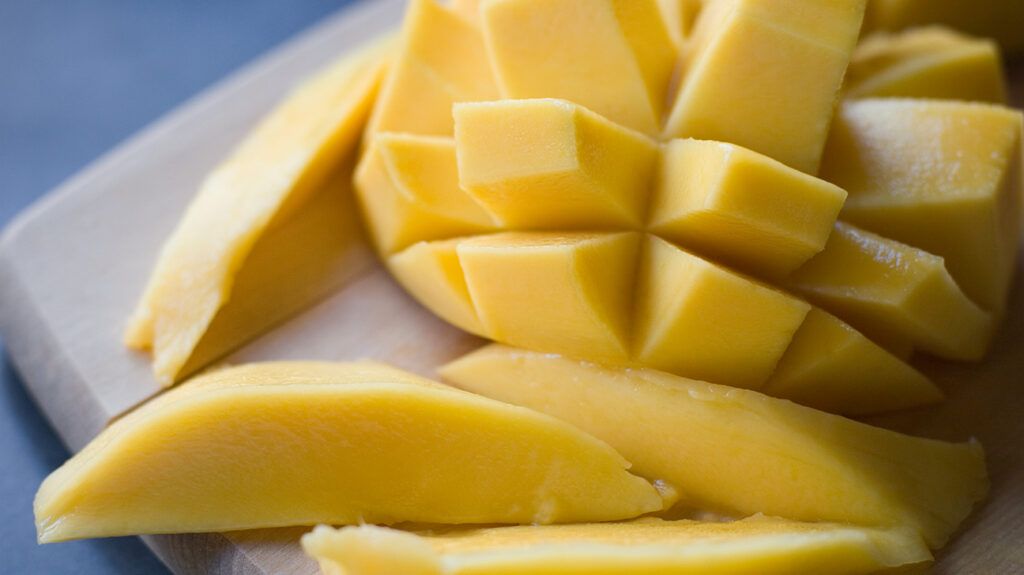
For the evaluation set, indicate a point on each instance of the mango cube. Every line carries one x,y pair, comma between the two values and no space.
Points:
680,17
738,451
283,444
928,62
551,164
753,546
432,273
741,208
409,189
941,176
766,74
894,292
442,61
612,56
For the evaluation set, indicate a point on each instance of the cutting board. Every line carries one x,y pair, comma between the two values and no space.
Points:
73,265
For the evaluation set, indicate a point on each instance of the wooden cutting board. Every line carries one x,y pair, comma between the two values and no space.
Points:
73,265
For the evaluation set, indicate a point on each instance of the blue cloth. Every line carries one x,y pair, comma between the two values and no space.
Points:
76,78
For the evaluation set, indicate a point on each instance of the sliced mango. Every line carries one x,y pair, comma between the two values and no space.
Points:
833,367
680,17
282,444
740,207
999,19
741,452
264,184
468,9
548,164
932,62
898,292
753,546
612,56
431,273
765,75
941,176
442,61
408,186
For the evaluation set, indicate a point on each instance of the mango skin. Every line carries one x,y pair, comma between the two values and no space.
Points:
331,443
753,546
757,454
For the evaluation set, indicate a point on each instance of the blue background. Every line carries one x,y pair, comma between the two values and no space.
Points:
76,78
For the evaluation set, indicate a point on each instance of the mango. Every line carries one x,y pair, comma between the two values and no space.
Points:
931,62
895,292
614,57
468,9
765,75
739,452
432,273
941,176
680,17
833,367
545,164
741,208
264,185
753,546
282,444
999,19
408,186
441,61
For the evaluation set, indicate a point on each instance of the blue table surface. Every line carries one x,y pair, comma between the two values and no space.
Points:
76,78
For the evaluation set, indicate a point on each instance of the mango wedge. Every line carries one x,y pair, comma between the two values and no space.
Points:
680,17
895,293
612,56
740,452
765,75
941,176
999,19
931,62
273,174
303,443
754,546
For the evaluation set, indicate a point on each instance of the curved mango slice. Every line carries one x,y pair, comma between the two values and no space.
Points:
276,182
740,452
753,546
931,62
283,444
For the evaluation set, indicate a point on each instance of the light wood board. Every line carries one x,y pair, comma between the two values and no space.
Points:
73,265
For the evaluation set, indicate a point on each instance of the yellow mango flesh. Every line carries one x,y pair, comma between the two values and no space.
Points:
765,75
928,62
547,164
741,452
680,17
265,183
833,367
303,443
941,176
612,56
740,207
999,19
441,61
409,188
431,273
898,292
753,546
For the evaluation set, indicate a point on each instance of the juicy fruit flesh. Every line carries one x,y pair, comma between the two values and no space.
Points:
741,452
756,545
331,443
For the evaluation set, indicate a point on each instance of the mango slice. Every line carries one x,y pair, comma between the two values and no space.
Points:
931,62
765,75
432,273
740,452
441,61
268,180
832,367
999,19
409,188
741,208
895,292
612,56
941,176
753,546
283,444
680,17
546,164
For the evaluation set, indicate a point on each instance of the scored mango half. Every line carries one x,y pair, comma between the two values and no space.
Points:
739,452
281,444
753,546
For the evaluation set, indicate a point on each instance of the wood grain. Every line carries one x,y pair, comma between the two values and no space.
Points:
72,266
